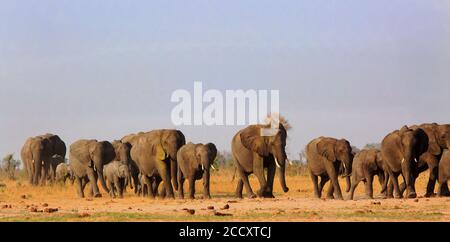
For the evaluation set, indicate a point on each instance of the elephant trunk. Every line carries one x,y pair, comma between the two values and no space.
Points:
349,184
173,173
102,179
282,177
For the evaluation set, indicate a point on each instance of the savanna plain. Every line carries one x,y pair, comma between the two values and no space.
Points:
20,201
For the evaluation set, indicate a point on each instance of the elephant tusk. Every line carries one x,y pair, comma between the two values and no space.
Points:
403,160
290,162
203,167
32,161
345,167
415,159
276,162
212,166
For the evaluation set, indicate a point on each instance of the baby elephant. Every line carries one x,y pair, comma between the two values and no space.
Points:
194,162
444,172
117,176
367,164
63,172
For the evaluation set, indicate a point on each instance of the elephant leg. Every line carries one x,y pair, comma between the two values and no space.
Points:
246,182
258,171
111,188
353,188
396,189
315,181
44,176
191,181
180,186
239,188
164,172
409,179
332,173
118,186
330,192
323,180
147,187
369,186
80,187
92,179
432,181
270,178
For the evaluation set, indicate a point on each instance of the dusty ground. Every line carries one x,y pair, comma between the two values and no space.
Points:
21,202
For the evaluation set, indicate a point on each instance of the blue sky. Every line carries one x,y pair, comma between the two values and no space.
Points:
103,69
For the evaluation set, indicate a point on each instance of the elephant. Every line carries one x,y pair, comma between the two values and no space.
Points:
328,158
366,164
63,172
122,150
117,176
55,160
194,163
444,172
87,158
155,153
439,140
401,150
36,155
252,153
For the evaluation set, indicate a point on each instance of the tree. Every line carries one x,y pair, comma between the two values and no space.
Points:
9,166
372,146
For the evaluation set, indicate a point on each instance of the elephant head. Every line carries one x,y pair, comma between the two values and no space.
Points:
268,146
122,151
337,150
124,172
413,143
205,156
443,136
101,153
40,150
169,143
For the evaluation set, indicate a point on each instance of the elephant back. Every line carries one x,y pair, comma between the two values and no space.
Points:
80,150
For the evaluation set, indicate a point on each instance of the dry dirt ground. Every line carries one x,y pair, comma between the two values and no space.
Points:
22,202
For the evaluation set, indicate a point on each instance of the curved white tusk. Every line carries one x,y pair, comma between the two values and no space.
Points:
276,162
32,161
212,166
415,159
345,167
203,167
95,169
403,160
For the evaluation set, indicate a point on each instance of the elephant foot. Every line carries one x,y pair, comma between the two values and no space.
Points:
238,195
98,195
252,196
430,194
412,195
330,197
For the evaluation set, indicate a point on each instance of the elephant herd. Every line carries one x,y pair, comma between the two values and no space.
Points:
157,163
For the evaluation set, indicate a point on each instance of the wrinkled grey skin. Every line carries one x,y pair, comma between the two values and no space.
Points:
444,173
328,158
194,163
401,150
87,158
367,164
64,172
36,155
117,176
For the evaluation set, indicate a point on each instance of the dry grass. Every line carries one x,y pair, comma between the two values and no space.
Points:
17,198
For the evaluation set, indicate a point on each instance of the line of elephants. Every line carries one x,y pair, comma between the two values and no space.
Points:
145,160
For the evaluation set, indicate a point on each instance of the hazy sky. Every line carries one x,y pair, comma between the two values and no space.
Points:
103,69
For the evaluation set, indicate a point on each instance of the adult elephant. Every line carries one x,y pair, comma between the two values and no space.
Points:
401,150
87,158
328,158
438,140
155,153
367,164
252,153
194,163
37,153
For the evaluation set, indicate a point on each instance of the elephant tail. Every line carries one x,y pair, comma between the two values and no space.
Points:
234,174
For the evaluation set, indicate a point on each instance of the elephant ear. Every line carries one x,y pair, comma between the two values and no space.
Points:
251,139
326,148
213,150
433,145
159,151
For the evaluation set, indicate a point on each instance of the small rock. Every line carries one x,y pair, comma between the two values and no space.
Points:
222,214
130,208
83,215
226,207
23,196
50,210
232,201
33,210
210,207
416,200
139,209
190,211
4,206
89,199
45,205
376,203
